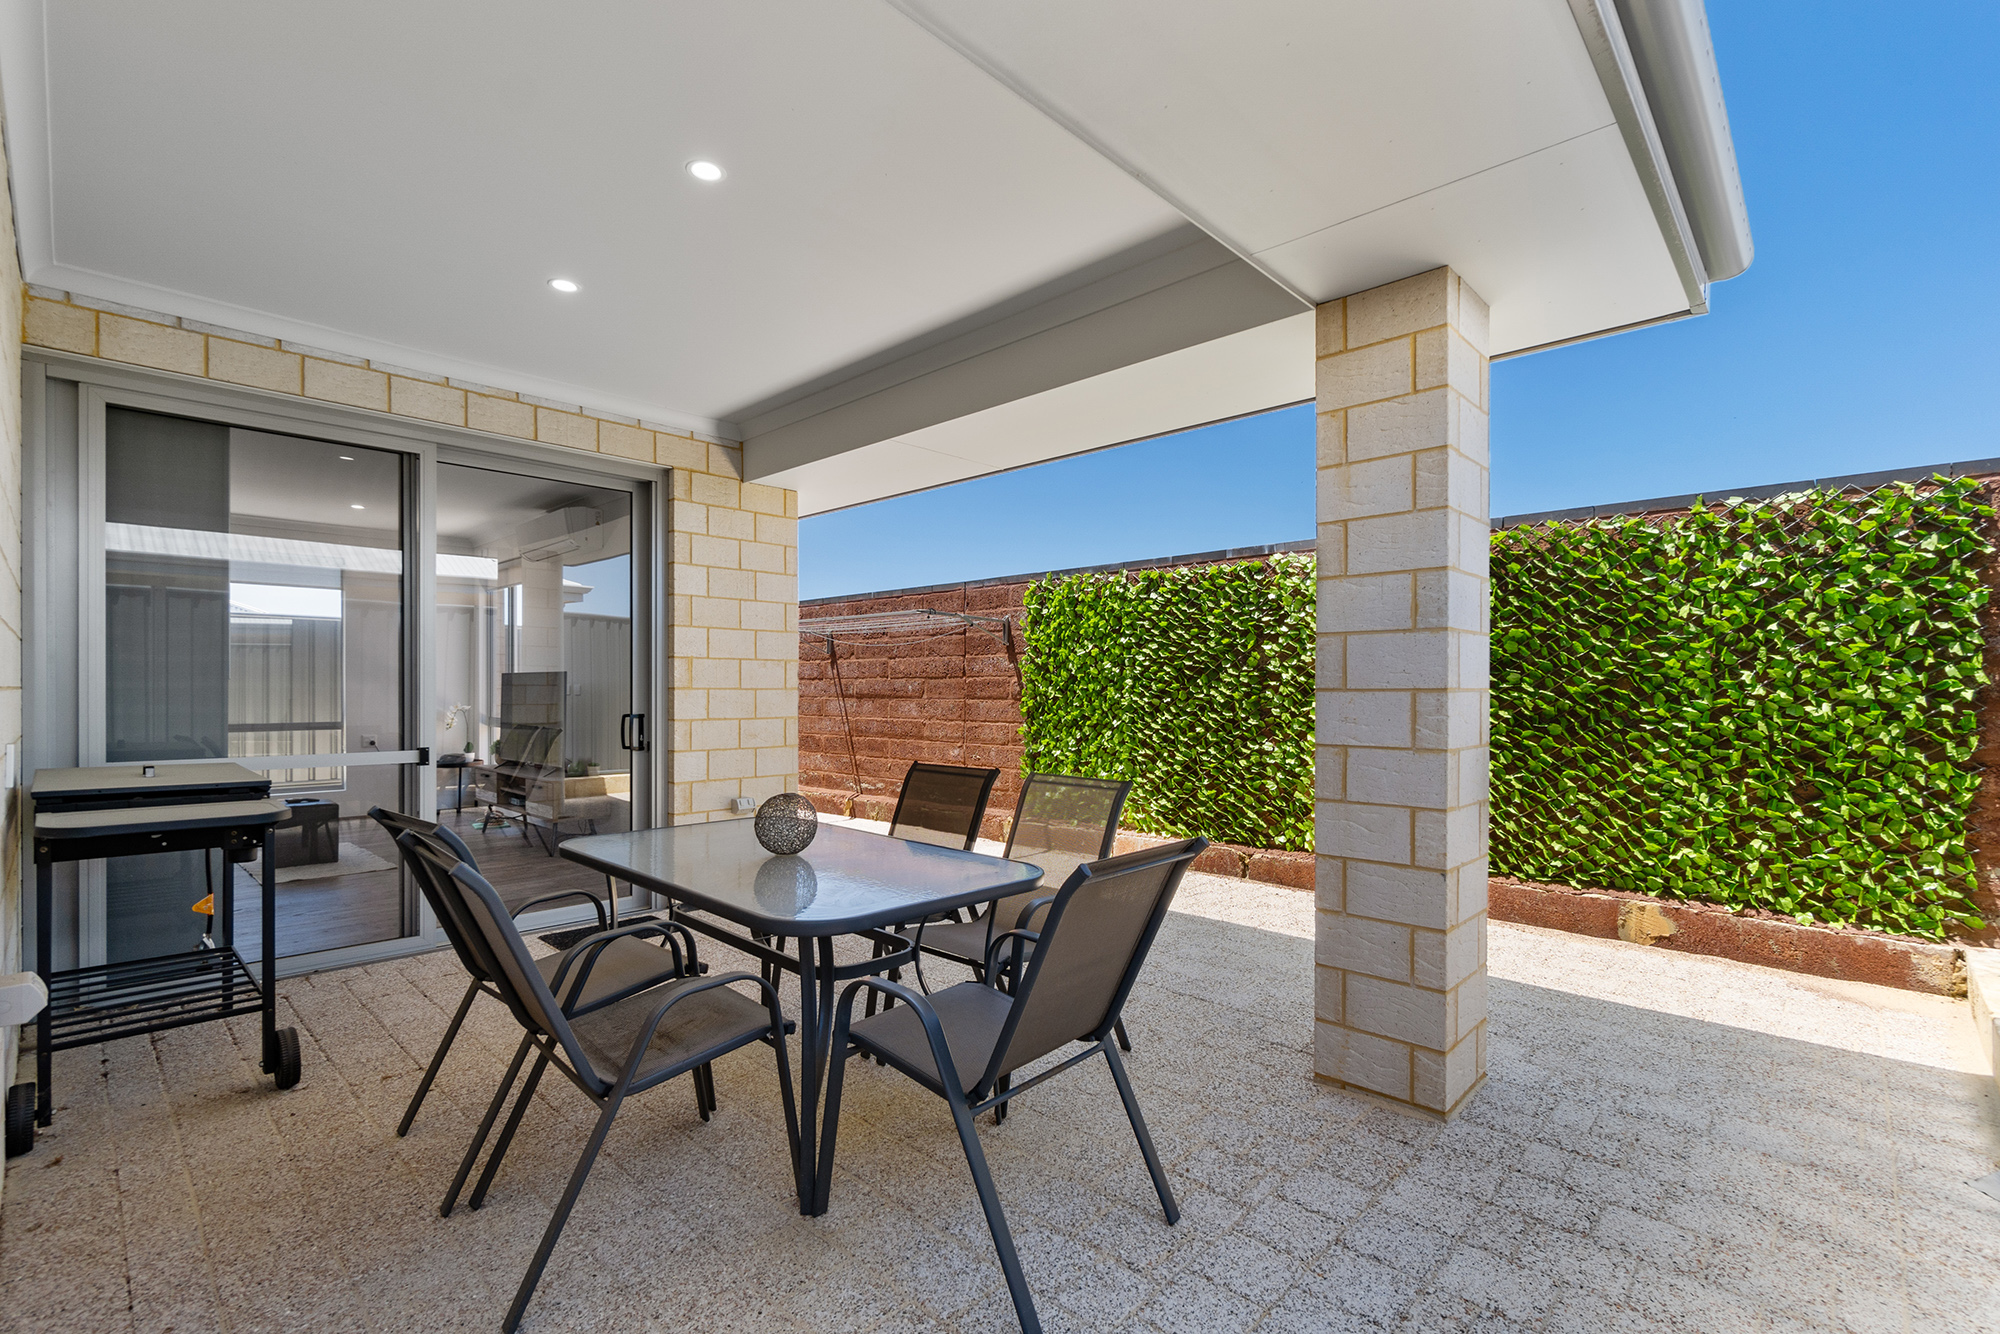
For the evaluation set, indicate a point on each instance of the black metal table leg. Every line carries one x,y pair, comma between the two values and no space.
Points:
45,885
270,932
809,1074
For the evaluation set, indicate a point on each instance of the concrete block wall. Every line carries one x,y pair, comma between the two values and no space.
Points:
950,697
1400,762
732,560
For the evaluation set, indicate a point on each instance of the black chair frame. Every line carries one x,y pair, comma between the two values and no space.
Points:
561,1050
916,770
397,824
994,1087
920,768
1121,790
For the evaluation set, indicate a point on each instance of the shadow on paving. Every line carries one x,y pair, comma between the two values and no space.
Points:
1622,1169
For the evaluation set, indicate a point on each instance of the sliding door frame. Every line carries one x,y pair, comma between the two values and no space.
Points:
69,534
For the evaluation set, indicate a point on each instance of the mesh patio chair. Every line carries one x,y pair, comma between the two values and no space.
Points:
965,1043
610,1051
941,804
629,966
1060,822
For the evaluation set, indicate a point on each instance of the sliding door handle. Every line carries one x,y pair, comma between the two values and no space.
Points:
632,731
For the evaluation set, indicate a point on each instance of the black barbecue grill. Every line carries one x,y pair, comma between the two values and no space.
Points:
127,810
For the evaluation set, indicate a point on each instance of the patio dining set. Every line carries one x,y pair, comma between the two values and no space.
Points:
1057,932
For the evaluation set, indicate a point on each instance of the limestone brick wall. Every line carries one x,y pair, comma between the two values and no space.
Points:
732,561
734,594
1401,755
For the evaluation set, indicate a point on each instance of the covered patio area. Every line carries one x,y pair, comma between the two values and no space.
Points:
1663,1142
419,408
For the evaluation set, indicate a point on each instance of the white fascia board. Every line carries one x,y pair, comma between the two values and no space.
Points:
1256,369
1192,311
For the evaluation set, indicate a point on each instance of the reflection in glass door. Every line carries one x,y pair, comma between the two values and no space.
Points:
534,671
253,609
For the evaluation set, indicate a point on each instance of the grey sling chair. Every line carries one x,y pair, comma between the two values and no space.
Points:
964,1042
628,966
1060,822
940,804
610,1051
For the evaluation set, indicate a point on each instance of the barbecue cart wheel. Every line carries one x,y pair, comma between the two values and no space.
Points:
20,1119
288,1058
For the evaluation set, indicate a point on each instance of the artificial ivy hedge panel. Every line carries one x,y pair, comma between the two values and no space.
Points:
1768,705
1194,682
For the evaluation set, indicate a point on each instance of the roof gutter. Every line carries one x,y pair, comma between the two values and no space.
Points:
1675,59
1618,72
1656,64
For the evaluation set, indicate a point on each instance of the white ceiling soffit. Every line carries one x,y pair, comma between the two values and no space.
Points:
401,181
1332,147
1340,144
929,230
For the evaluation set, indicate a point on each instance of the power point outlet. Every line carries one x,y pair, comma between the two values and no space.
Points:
741,805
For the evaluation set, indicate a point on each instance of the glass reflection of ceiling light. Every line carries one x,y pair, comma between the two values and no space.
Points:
703,170
562,284
357,507
347,458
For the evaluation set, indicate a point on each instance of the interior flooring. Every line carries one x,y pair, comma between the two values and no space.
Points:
358,909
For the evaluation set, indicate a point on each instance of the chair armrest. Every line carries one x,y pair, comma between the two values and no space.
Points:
1027,914
652,1024
596,903
920,1005
1014,965
582,957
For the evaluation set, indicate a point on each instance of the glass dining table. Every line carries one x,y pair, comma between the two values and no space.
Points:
849,882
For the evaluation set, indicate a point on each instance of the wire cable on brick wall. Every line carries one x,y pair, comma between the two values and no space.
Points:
869,625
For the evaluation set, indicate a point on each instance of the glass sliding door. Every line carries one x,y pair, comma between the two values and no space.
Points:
254,595
372,618
535,670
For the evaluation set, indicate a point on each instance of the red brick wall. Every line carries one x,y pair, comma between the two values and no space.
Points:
950,695
945,696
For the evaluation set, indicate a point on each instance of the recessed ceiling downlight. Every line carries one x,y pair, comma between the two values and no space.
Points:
357,507
562,284
704,170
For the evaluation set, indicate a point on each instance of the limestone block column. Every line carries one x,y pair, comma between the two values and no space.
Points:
1402,692
541,624
732,639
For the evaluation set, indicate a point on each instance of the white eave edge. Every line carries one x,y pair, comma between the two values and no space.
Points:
1669,79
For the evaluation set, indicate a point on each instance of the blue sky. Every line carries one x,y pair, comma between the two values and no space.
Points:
1863,337
610,587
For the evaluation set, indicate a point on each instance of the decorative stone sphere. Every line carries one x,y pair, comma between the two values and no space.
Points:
786,824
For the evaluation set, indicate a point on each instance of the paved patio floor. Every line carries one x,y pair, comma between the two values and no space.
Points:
1663,1142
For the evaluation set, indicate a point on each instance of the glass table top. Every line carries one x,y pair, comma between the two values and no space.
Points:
848,880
